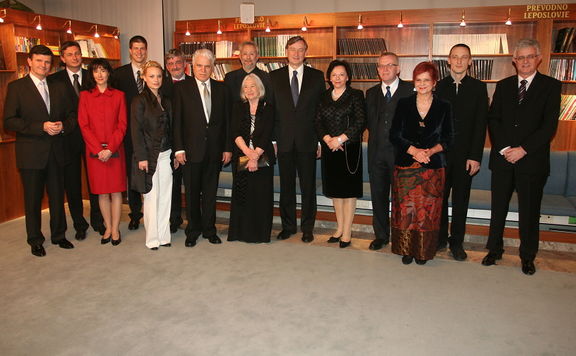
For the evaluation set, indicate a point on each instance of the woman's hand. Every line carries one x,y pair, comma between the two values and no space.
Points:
419,155
334,145
143,166
104,155
252,165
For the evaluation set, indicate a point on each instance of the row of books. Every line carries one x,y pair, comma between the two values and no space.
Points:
224,49
481,43
89,48
272,46
568,107
360,46
23,44
480,69
362,71
565,40
563,68
188,48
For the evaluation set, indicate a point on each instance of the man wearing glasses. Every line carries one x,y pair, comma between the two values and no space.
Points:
469,99
381,103
522,119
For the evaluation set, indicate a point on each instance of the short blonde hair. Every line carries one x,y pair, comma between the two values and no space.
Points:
148,65
259,85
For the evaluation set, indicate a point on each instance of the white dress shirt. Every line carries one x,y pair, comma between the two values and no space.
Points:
393,86
71,76
300,76
201,90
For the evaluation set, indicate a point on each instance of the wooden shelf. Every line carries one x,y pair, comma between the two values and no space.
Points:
562,54
7,71
478,55
377,55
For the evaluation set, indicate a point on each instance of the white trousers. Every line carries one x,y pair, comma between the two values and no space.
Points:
157,203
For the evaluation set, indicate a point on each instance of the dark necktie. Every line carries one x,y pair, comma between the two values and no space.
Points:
388,94
139,82
76,84
522,91
294,87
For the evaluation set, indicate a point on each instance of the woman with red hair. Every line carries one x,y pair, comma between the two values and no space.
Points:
421,132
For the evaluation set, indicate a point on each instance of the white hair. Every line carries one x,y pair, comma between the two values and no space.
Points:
203,52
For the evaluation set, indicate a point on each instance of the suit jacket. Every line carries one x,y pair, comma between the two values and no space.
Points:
379,115
263,127
294,125
407,130
25,113
149,124
233,81
167,88
200,139
123,79
73,140
344,116
470,107
531,124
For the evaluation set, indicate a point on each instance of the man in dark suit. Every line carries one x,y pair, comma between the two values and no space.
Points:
40,113
297,89
381,102
127,78
73,78
522,119
469,99
201,144
175,66
248,58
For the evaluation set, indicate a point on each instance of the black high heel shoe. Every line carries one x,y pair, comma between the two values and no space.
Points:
421,262
333,240
407,259
117,242
105,241
344,244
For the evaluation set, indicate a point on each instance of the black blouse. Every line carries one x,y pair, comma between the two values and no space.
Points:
409,129
346,115
263,127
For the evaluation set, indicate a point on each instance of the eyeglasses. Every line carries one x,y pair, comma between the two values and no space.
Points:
528,57
388,66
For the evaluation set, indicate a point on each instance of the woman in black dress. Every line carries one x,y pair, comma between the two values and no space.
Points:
340,121
253,165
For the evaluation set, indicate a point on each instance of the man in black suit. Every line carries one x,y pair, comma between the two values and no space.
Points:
469,99
522,119
127,78
381,102
297,89
201,144
40,113
175,66
248,57
73,78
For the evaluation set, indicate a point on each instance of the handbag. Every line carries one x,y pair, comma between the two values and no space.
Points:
243,162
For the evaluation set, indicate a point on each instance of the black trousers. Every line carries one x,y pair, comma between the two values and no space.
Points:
529,188
381,171
201,183
458,181
34,182
304,164
73,189
134,197
176,209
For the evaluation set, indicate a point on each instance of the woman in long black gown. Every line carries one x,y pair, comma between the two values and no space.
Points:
252,189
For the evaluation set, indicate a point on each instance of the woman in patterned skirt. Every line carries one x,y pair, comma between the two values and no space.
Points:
422,132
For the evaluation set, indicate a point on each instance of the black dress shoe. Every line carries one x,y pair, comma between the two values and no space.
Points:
407,259
333,240
491,258
154,248
442,244
190,241
307,237
344,244
214,239
166,245
117,242
38,250
283,235
134,224
528,267
377,244
65,244
421,262
80,235
458,253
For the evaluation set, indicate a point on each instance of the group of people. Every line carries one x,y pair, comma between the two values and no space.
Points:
159,129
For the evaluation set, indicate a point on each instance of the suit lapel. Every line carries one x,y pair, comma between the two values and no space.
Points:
36,95
285,84
533,88
196,95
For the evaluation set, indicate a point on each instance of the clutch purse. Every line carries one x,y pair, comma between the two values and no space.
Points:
243,161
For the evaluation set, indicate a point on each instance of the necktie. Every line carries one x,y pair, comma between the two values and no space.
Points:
522,91
76,84
207,101
45,95
388,94
294,87
139,82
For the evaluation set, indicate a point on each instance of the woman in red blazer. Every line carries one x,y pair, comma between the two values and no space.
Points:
102,120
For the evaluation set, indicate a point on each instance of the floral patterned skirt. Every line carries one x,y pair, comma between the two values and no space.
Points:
417,194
